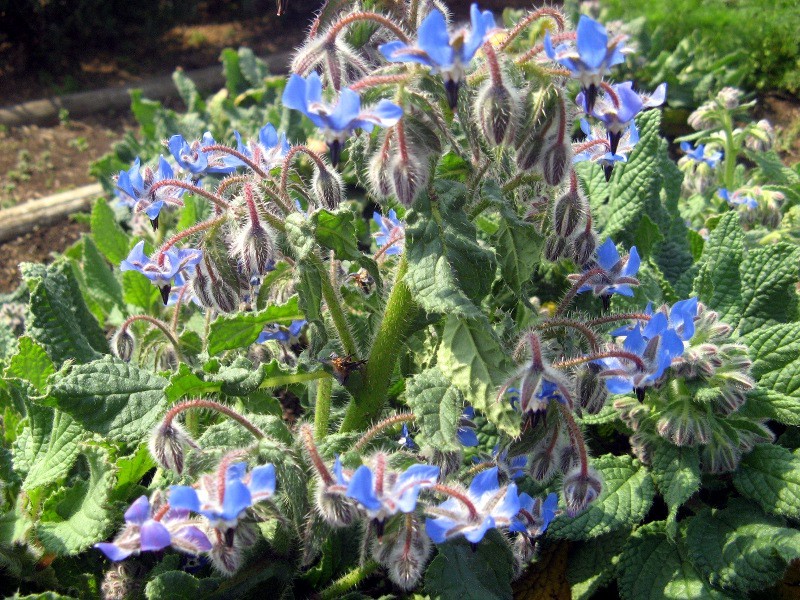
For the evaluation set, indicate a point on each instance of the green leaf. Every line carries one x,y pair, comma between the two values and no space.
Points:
131,469
234,80
473,360
107,234
448,271
102,285
460,573
253,68
145,112
188,91
718,284
438,405
653,567
58,318
676,471
592,564
739,547
57,438
81,514
627,494
776,368
647,236
30,363
770,475
241,330
138,291
175,585
518,250
769,275
337,231
111,397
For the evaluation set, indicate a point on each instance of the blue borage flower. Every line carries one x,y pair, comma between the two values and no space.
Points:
617,275
279,333
600,153
406,441
738,198
338,121
513,468
486,505
444,54
192,158
391,232
164,269
466,428
224,505
383,494
617,111
698,154
657,345
535,515
680,319
546,392
135,187
146,532
590,57
267,152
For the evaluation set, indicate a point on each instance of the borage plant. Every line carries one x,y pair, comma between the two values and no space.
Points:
388,367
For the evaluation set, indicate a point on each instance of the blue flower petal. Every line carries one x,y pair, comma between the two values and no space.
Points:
262,481
112,551
361,488
154,536
485,481
592,42
139,511
184,497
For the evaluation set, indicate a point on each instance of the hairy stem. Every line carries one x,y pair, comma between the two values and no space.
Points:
322,408
334,304
348,581
161,326
373,431
216,406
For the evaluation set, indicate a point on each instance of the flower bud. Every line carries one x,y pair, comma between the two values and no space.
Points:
123,344
567,455
543,114
702,117
254,246
123,580
720,455
729,97
496,107
327,187
335,508
642,447
555,162
542,463
683,427
580,489
379,173
555,247
448,462
211,289
568,213
408,178
226,558
631,412
168,445
583,246
404,552
591,389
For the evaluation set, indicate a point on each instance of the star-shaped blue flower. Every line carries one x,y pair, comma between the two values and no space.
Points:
338,121
617,275
385,494
162,270
680,319
534,514
194,159
698,154
279,333
135,188
486,505
267,152
390,231
589,59
738,198
600,153
444,54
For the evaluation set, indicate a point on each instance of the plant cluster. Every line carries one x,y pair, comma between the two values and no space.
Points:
384,358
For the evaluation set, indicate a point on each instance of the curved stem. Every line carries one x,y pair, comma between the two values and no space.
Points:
287,162
189,232
458,495
216,406
634,358
494,64
348,581
373,431
531,17
587,333
160,325
376,80
322,407
590,144
237,154
367,16
575,287
371,396
195,189
307,437
228,181
539,48
177,312
619,317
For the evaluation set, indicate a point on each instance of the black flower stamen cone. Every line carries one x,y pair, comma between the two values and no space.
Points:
451,87
380,526
165,290
589,95
607,171
613,140
606,298
154,223
335,149
640,392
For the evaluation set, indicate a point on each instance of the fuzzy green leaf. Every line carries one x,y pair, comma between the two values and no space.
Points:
58,448
769,275
739,548
770,475
652,567
111,397
592,564
58,318
437,404
241,330
473,360
102,286
82,515
188,91
460,573
627,494
518,251
30,363
676,471
175,585
138,291
776,367
107,234
337,231
718,284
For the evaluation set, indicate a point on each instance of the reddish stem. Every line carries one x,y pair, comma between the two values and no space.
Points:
576,286
237,154
367,16
460,496
577,438
587,332
611,93
373,431
545,11
590,144
376,80
624,354
619,317
192,188
216,406
307,435
494,64
202,226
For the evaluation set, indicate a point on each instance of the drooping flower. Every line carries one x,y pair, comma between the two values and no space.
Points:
406,441
135,186
738,198
486,505
279,333
616,274
513,467
600,153
391,232
589,58
618,110
145,531
466,428
224,505
534,514
194,159
385,493
698,154
443,53
338,121
546,392
267,152
680,318
164,267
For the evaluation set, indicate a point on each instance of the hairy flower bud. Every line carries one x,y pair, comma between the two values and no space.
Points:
555,162
123,580
123,344
684,427
379,174
497,108
591,389
583,246
404,552
254,246
334,507
211,289
327,187
448,462
555,247
631,411
536,132
729,97
168,445
408,177
580,489
542,462
569,211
